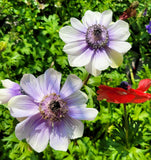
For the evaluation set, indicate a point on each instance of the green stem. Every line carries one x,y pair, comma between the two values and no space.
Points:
86,80
126,126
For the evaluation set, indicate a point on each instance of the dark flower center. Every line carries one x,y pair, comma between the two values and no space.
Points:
53,108
97,36
124,85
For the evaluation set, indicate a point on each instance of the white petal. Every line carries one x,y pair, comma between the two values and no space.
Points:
82,59
101,60
106,18
31,86
121,47
58,138
10,84
22,106
50,81
69,34
75,48
115,57
38,139
91,68
78,25
82,113
77,98
119,31
5,95
90,18
72,84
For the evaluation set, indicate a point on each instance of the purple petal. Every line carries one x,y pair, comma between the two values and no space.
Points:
69,34
22,106
31,86
50,81
82,113
82,59
10,84
72,84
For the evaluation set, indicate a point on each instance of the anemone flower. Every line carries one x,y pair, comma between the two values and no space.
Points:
148,27
52,114
96,43
124,93
11,89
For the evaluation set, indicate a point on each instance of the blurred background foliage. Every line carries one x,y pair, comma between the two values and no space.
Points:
30,43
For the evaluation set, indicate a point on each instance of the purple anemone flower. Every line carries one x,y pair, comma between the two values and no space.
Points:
11,89
52,114
96,43
148,27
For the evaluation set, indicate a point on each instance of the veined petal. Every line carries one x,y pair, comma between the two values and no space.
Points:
31,86
82,59
91,68
101,60
50,81
10,84
118,31
77,98
119,46
82,113
90,18
75,48
72,84
115,57
144,85
78,25
22,106
69,34
106,18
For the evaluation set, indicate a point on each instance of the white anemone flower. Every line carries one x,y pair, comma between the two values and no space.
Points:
96,43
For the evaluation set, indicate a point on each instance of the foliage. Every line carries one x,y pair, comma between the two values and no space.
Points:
30,43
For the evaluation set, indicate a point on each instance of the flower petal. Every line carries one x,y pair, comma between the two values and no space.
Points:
106,18
75,48
119,31
144,85
72,84
121,47
90,18
10,84
78,25
77,98
50,81
82,59
22,106
31,86
101,60
115,57
82,113
69,34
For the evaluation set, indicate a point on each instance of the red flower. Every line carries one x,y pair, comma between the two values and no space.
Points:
128,95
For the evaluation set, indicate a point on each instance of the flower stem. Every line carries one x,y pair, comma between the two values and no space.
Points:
86,80
126,126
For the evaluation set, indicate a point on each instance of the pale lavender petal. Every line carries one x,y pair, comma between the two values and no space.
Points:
10,84
101,60
50,81
119,31
90,18
31,86
82,113
106,18
91,68
22,106
77,98
121,47
72,84
82,59
75,48
78,25
69,34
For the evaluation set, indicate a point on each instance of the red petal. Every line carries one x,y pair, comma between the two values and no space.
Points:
144,85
